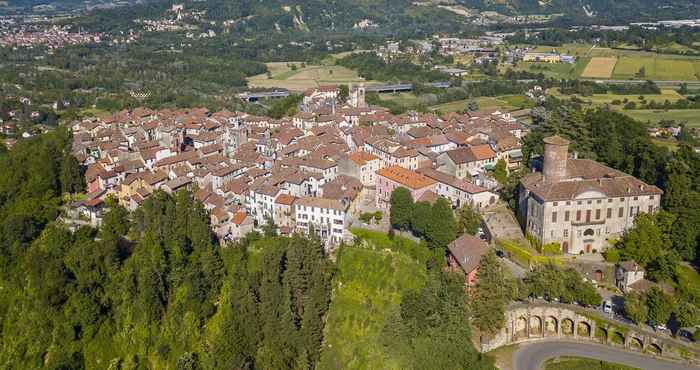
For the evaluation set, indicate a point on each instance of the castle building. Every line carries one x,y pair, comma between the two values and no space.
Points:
580,203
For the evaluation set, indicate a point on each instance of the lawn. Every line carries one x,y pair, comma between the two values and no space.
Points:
578,363
599,67
283,75
372,277
690,116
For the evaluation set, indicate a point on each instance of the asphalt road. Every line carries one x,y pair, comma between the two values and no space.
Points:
531,356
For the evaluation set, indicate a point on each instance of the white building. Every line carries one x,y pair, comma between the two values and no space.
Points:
328,217
579,203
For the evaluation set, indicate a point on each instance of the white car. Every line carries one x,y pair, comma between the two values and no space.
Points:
607,306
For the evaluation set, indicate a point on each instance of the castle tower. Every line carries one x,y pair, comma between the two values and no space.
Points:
556,151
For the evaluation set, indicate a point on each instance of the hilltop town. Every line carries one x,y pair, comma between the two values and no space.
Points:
326,166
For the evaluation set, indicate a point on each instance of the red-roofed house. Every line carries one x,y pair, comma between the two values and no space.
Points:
393,177
464,256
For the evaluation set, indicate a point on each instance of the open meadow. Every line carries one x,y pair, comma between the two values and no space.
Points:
602,99
298,77
689,116
656,69
505,103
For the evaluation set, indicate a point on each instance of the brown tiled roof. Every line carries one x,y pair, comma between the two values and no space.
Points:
451,180
586,175
468,250
471,154
285,199
361,157
320,203
406,177
239,218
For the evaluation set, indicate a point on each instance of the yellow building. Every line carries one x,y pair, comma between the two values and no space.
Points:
542,57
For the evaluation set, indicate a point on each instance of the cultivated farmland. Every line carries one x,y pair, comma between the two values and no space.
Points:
599,67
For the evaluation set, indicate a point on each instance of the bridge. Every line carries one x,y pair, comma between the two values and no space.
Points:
255,96
531,322
395,88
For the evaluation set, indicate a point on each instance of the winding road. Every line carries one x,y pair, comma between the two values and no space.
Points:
531,356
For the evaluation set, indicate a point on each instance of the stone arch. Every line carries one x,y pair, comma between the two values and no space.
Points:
636,343
567,326
602,334
617,338
654,349
535,326
521,327
588,232
583,329
551,325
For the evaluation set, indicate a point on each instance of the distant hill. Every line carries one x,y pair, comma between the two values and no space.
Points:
344,14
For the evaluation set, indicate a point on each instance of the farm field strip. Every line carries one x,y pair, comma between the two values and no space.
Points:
599,67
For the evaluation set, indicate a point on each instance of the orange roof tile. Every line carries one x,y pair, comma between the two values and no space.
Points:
285,199
239,217
361,157
406,177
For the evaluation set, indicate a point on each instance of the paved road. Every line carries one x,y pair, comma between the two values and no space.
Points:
531,356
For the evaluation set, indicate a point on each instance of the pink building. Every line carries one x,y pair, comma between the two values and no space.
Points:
464,255
392,177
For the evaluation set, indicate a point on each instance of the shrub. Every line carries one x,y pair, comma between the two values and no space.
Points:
552,248
612,255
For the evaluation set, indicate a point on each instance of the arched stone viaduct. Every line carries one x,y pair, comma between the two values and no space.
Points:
533,322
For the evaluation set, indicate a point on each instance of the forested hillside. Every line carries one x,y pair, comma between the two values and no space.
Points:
147,291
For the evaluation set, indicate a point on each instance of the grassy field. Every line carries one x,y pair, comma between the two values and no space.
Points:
656,68
505,103
629,61
371,279
578,363
555,70
601,99
599,67
690,116
283,75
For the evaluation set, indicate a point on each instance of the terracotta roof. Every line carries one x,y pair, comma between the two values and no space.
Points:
406,177
285,199
451,180
586,175
471,154
428,196
321,203
468,250
362,157
239,218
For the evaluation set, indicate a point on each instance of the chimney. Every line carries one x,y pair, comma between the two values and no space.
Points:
556,151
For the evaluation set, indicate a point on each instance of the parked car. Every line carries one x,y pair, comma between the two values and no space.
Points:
607,306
